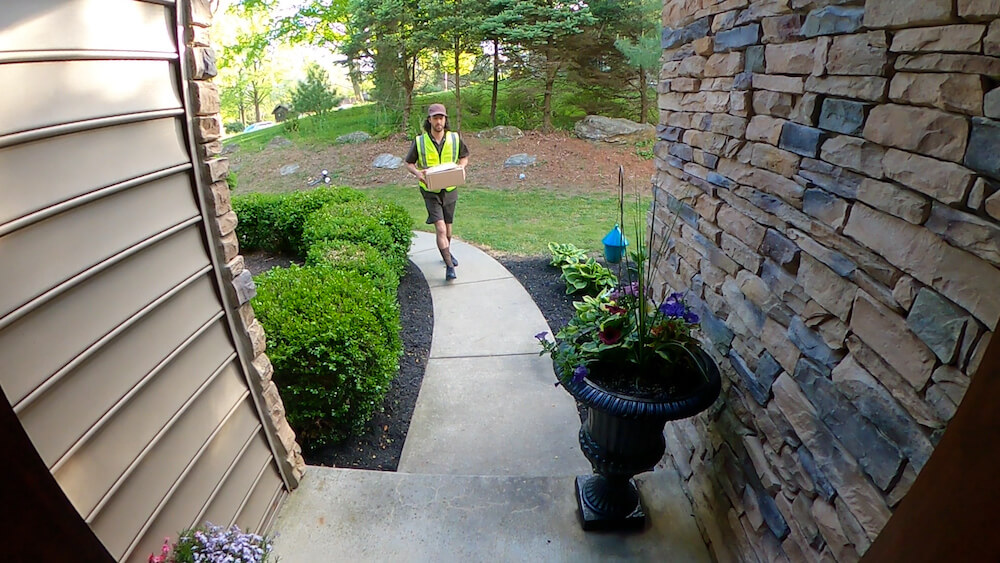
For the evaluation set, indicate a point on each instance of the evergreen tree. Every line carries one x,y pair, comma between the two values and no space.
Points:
640,44
541,29
314,94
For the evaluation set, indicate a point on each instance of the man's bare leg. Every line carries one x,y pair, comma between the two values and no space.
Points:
453,262
443,231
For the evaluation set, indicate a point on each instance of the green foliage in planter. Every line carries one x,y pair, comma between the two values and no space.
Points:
360,258
588,277
386,227
563,254
333,338
273,222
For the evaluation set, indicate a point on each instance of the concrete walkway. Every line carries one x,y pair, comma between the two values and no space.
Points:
486,472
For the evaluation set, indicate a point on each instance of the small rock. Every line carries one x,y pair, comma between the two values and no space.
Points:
288,169
230,148
522,159
500,132
352,138
386,160
279,141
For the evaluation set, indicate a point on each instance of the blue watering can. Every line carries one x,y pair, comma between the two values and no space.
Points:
614,245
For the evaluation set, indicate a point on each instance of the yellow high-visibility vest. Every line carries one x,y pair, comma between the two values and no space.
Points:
427,158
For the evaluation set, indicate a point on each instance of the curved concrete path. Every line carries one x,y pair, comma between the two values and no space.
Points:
486,472
488,404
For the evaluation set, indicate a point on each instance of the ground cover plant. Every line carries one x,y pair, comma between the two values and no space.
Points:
333,324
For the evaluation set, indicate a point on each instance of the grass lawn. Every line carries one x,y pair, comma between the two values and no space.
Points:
522,222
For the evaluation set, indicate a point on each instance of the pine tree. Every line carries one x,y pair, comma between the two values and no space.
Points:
314,94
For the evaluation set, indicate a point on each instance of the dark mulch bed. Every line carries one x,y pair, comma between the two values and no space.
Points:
381,444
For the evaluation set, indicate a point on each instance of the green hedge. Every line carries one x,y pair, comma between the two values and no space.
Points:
334,341
385,226
273,222
332,325
360,258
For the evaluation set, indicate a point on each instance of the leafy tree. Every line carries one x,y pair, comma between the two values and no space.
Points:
323,23
541,29
314,94
389,35
244,62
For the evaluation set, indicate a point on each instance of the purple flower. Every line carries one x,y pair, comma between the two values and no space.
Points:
691,317
579,373
672,308
541,336
630,289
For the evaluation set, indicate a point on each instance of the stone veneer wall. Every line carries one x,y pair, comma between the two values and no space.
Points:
835,169
207,125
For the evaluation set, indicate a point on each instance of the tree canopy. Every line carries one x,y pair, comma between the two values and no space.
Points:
396,46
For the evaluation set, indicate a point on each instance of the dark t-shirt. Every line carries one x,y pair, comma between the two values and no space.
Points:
411,157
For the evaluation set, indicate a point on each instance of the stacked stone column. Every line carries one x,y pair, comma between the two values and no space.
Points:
834,171
204,103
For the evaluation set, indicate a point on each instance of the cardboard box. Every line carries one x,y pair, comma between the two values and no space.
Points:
444,176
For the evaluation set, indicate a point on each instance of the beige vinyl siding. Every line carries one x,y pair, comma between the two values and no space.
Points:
119,355
61,168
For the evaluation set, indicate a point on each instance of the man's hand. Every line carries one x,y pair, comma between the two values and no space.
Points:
418,173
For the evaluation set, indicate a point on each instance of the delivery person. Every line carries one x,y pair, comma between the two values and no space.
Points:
437,146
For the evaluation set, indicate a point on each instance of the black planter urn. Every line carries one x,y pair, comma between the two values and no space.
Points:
623,436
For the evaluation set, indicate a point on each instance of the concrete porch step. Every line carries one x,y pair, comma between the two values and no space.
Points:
355,515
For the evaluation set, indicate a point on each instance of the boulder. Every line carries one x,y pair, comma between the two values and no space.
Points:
386,160
500,132
351,138
522,159
613,130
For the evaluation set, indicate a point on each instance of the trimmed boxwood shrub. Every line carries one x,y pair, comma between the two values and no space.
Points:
370,221
333,338
360,258
273,222
333,325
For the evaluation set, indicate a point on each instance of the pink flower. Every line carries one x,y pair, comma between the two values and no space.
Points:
164,553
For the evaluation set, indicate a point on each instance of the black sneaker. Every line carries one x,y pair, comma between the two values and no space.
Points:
449,273
454,261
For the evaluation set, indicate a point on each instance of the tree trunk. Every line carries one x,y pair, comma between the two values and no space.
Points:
256,103
496,79
458,91
551,69
408,83
355,75
643,96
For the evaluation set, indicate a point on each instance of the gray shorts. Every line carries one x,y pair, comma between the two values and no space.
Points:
440,205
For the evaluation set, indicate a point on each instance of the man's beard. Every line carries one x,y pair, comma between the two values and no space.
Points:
438,128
